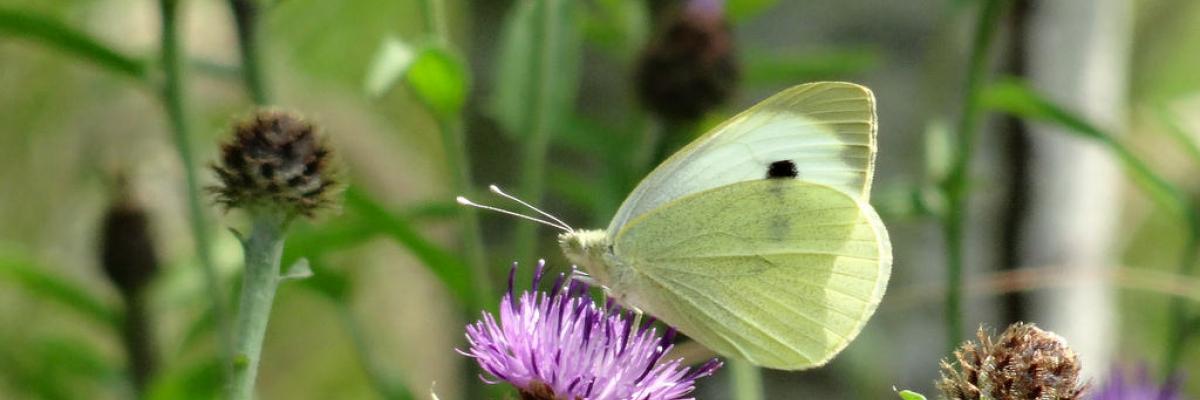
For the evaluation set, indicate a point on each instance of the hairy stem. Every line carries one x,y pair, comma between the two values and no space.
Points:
173,101
955,186
263,250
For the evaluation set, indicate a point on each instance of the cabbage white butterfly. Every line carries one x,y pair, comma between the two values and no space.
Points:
756,239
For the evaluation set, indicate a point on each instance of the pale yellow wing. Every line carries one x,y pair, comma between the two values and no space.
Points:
825,129
781,272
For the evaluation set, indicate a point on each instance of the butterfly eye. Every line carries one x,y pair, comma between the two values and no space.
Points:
782,169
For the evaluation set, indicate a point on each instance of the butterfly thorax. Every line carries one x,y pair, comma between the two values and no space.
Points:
590,250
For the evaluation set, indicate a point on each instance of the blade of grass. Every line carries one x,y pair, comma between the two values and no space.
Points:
955,187
37,280
448,268
1016,98
58,35
1175,129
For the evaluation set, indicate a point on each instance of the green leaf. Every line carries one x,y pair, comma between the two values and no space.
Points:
537,67
69,40
910,395
55,367
449,269
439,79
198,381
390,64
38,281
764,68
1015,97
741,10
1175,128
620,27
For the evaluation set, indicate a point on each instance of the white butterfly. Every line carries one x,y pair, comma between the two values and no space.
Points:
757,239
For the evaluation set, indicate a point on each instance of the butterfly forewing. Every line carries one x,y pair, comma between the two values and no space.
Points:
781,272
824,132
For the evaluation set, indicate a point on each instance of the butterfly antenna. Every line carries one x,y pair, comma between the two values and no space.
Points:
466,202
496,189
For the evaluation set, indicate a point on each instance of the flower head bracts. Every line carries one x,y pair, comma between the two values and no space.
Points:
561,345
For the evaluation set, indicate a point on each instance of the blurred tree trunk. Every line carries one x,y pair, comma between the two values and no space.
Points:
1079,56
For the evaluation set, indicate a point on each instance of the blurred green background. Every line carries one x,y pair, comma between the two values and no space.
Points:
1059,232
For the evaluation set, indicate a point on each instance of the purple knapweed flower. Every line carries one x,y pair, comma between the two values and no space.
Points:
560,345
1138,386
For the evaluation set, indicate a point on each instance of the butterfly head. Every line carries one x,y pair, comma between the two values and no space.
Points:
590,250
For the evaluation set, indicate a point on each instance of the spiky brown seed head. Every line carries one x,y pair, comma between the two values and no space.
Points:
1024,363
127,252
276,160
688,67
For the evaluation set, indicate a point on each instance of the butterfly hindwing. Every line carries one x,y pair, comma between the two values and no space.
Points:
781,272
821,132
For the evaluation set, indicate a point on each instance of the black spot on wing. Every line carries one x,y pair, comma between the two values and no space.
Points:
782,169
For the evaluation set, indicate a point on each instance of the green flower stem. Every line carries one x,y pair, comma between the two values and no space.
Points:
747,380
173,100
245,17
955,187
263,250
454,142
537,144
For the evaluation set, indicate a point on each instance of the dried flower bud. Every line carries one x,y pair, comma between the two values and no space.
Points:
276,160
1024,363
689,67
126,247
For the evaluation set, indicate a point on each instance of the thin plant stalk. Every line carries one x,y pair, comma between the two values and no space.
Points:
263,251
537,143
454,141
455,144
955,187
246,17
173,101
747,380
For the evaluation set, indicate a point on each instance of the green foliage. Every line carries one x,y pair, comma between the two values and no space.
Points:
198,381
69,40
910,395
1016,98
439,79
618,27
436,76
38,281
390,64
741,10
771,69
449,269
531,47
